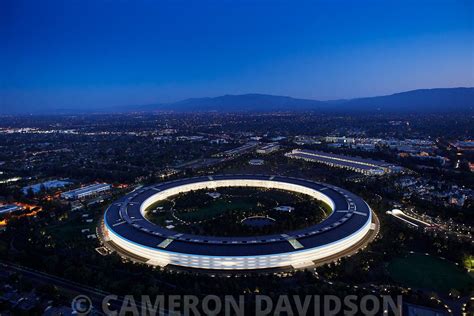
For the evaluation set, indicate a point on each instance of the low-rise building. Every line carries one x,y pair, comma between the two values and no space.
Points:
364,166
283,208
85,191
268,148
214,195
341,140
52,184
239,150
9,208
464,145
307,140
256,162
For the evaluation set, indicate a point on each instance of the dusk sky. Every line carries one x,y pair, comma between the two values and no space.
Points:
96,54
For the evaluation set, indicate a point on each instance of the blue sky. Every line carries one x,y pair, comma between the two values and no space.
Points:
95,54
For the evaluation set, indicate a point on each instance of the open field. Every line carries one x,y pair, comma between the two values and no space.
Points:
216,208
428,272
197,212
72,229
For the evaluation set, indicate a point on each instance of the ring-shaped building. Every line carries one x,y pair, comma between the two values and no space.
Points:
349,223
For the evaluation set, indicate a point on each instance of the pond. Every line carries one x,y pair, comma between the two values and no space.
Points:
258,221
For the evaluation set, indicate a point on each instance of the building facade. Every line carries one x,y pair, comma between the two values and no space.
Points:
349,223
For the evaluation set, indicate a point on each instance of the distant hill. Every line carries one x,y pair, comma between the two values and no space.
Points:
242,102
417,101
439,100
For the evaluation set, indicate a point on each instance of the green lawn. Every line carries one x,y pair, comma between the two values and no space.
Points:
215,208
232,206
421,271
71,230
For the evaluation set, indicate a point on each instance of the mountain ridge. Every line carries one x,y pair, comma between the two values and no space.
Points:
434,100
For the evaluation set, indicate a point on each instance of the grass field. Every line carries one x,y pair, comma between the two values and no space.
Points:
428,272
71,230
187,211
216,208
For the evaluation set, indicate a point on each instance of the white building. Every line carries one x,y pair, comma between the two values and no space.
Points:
307,140
361,165
85,191
256,162
348,225
341,140
52,184
239,150
214,195
283,208
9,208
268,148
